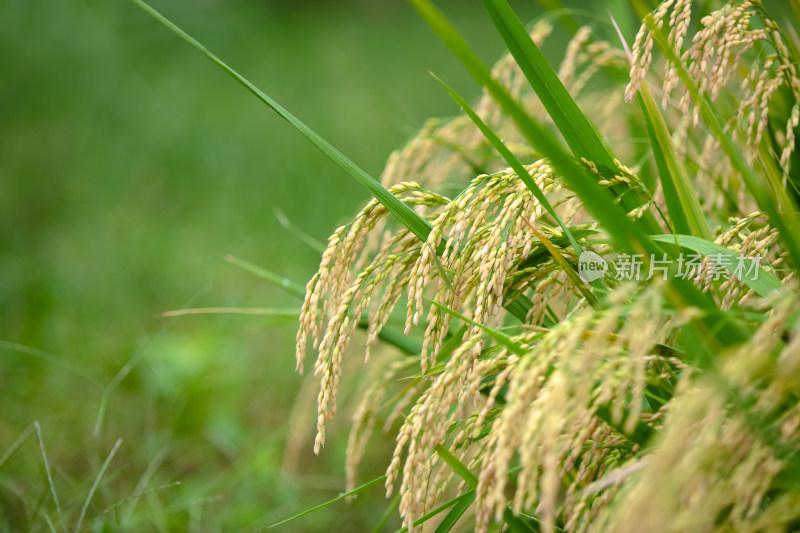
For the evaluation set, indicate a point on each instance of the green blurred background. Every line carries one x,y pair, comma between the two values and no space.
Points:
129,166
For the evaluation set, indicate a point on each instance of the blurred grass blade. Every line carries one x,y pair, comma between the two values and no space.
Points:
136,495
404,214
388,513
285,313
764,283
49,474
96,484
682,205
277,280
339,498
16,445
565,14
304,237
50,358
517,525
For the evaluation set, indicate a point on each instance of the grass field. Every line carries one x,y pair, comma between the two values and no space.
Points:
129,168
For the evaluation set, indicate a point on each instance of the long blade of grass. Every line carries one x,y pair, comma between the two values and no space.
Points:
682,205
48,474
49,523
268,311
416,224
136,495
339,498
515,523
96,484
16,445
277,280
144,480
50,358
304,237
578,132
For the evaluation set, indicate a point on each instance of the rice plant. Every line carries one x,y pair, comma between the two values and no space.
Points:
577,300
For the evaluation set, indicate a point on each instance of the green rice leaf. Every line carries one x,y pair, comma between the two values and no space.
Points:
407,345
446,505
682,204
641,433
457,466
578,132
450,520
